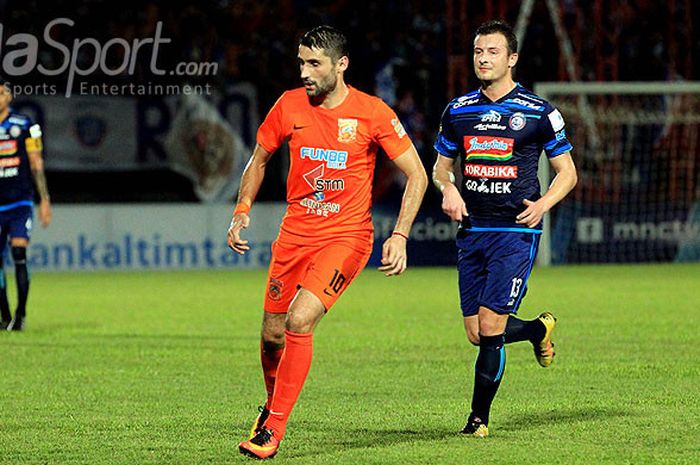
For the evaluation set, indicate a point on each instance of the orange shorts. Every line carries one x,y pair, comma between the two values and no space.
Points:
324,269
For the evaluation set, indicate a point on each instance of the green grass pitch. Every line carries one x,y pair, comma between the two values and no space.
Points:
162,368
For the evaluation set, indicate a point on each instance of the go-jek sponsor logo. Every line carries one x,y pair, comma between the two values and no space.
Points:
488,148
484,186
334,159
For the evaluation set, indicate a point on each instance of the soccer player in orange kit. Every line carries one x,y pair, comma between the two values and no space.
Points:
334,132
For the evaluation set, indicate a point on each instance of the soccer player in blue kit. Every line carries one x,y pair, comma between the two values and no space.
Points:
498,132
21,167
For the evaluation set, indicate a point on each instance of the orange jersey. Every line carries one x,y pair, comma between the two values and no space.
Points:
332,156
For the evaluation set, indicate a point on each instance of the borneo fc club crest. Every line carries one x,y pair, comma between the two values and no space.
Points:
347,129
274,292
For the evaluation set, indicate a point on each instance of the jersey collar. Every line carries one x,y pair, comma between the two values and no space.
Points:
484,99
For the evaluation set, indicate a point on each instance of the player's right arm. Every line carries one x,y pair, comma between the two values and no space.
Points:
251,181
34,149
271,133
447,147
444,179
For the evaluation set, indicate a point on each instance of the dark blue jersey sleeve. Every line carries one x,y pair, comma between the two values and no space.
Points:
447,143
553,133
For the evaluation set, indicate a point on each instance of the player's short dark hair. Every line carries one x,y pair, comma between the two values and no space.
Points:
328,38
499,27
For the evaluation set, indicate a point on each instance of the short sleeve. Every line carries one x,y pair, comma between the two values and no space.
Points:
553,133
446,142
33,141
388,131
271,133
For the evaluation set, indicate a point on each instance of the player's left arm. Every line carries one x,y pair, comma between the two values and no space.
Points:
561,185
36,164
394,249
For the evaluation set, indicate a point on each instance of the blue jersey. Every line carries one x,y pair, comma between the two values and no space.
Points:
499,145
17,136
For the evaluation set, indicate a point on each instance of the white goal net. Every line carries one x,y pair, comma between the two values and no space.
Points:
636,148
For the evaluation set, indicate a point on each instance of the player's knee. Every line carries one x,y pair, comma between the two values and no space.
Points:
473,337
273,338
490,326
486,328
19,255
272,332
299,322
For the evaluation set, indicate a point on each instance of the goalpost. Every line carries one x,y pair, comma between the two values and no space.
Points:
636,149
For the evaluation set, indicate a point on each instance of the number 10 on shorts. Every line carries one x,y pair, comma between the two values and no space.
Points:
336,283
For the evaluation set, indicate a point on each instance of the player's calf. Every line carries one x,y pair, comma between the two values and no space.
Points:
19,256
488,372
5,315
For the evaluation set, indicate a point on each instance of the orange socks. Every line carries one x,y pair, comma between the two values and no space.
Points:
270,360
291,374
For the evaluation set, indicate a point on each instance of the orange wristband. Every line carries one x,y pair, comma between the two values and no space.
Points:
241,208
400,234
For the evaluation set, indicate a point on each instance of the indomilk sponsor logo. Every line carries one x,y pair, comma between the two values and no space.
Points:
488,148
8,147
485,171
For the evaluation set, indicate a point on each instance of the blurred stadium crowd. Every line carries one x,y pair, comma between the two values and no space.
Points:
398,51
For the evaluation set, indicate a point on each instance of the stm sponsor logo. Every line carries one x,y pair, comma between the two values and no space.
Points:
334,159
483,186
315,180
485,171
488,148
329,185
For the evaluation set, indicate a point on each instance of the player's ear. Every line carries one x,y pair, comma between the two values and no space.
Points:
512,60
343,63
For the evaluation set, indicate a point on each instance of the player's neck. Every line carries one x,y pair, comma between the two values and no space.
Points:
495,90
336,97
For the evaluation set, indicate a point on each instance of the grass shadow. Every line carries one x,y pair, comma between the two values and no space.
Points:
332,441
365,438
560,416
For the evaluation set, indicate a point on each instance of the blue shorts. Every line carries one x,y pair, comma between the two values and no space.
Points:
494,268
15,222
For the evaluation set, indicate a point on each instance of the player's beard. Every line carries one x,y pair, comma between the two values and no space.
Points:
322,87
